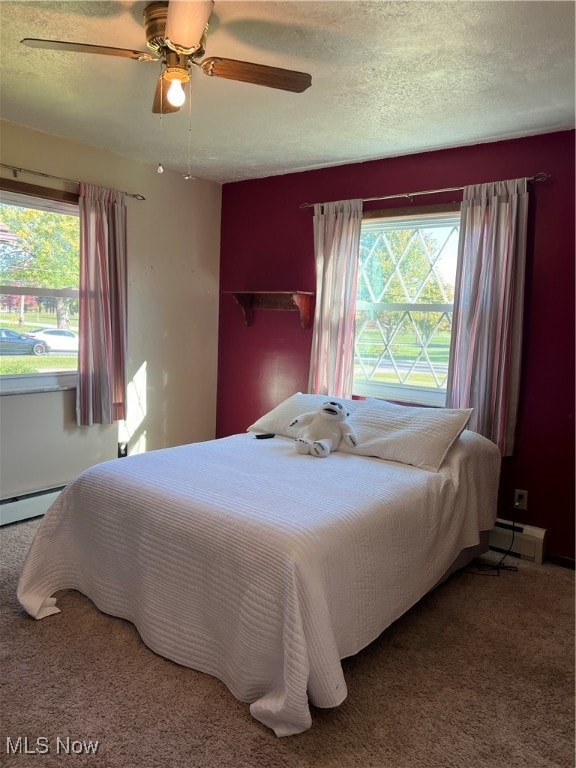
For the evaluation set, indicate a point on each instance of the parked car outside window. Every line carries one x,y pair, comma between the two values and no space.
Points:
56,339
13,343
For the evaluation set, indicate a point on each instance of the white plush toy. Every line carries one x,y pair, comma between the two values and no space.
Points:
322,430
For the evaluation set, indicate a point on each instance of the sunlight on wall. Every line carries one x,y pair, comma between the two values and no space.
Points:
131,431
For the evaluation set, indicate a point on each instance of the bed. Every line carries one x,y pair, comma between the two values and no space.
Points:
241,558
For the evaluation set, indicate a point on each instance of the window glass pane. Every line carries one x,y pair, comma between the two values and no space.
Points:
39,280
407,270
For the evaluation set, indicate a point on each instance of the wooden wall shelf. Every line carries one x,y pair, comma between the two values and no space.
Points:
298,301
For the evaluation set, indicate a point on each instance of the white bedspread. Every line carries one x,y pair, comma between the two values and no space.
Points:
242,559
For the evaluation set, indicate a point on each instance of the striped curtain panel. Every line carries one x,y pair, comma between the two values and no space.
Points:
336,241
484,370
101,393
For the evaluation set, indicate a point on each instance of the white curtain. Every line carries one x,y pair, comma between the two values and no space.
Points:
336,241
101,393
484,371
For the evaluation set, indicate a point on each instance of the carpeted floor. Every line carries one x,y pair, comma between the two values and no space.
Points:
480,673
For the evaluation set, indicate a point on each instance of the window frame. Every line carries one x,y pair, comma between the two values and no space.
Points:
31,383
404,393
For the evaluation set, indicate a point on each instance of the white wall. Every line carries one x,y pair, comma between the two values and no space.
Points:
173,268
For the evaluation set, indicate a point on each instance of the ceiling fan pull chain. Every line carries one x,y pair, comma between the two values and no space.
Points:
160,166
189,174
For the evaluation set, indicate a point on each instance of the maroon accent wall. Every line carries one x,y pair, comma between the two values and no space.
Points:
267,244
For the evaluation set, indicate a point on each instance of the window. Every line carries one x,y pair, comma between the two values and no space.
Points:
39,280
404,306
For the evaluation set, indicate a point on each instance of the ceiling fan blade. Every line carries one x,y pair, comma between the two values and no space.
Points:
61,45
186,24
258,74
161,105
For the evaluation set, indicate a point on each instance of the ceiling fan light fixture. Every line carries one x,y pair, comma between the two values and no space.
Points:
175,93
186,25
175,74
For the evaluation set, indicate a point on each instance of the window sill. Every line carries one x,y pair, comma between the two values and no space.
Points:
400,394
32,384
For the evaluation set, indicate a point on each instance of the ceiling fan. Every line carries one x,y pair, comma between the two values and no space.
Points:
176,34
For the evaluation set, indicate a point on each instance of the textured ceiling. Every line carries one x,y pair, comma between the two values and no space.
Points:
388,78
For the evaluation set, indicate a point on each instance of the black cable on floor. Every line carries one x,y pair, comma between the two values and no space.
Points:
498,567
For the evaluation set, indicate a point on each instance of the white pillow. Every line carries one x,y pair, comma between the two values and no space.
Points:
278,419
418,436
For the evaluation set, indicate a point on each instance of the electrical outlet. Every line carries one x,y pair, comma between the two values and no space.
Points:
520,499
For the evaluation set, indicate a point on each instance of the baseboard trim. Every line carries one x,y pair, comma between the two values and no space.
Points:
27,505
565,562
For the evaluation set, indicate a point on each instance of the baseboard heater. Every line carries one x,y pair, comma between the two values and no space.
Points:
27,505
523,541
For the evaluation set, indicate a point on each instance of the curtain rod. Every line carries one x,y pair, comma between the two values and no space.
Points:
16,171
408,195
